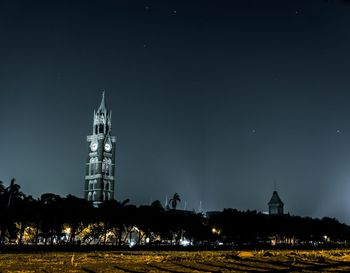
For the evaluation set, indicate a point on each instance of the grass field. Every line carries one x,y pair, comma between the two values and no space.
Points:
179,261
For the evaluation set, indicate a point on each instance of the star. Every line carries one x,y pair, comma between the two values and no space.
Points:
174,11
338,131
298,12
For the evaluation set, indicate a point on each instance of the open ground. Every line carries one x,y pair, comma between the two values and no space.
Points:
178,261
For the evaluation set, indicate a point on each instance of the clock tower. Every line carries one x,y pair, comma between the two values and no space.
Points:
100,164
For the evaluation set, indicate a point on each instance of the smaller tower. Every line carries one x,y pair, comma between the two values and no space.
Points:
275,204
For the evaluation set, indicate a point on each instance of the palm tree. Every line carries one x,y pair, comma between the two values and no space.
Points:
176,199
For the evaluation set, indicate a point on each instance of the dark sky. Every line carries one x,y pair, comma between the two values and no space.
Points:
215,100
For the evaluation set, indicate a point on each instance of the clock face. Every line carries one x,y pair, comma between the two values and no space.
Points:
93,146
108,147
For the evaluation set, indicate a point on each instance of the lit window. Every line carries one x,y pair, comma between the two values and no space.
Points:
93,166
104,165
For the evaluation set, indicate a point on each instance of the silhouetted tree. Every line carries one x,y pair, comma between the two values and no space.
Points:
10,199
51,217
77,215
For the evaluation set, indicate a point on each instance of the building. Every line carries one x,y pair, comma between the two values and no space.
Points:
275,204
100,164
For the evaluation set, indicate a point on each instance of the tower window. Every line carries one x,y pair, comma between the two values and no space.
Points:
94,196
106,166
89,196
90,165
104,163
93,167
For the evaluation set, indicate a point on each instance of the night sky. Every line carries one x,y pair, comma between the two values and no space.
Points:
215,100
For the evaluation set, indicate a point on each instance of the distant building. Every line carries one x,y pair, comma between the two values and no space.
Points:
100,165
275,204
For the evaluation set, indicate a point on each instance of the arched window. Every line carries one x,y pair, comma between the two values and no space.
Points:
109,196
94,196
107,185
104,165
108,166
96,165
103,196
91,185
89,196
90,165
107,169
93,166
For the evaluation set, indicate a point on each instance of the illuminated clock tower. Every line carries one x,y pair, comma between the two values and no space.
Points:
100,164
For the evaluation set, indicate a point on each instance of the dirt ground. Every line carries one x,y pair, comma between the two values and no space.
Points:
179,261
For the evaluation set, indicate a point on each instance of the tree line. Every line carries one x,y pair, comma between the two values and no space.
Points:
52,220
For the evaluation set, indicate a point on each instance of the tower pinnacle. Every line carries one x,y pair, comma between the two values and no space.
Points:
102,108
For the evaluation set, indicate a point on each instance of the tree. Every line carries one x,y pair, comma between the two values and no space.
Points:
77,215
51,217
173,201
25,215
10,200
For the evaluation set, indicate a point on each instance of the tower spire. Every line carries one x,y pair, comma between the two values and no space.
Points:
102,107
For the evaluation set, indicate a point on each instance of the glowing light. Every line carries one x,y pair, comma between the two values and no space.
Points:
135,229
216,231
185,242
67,230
